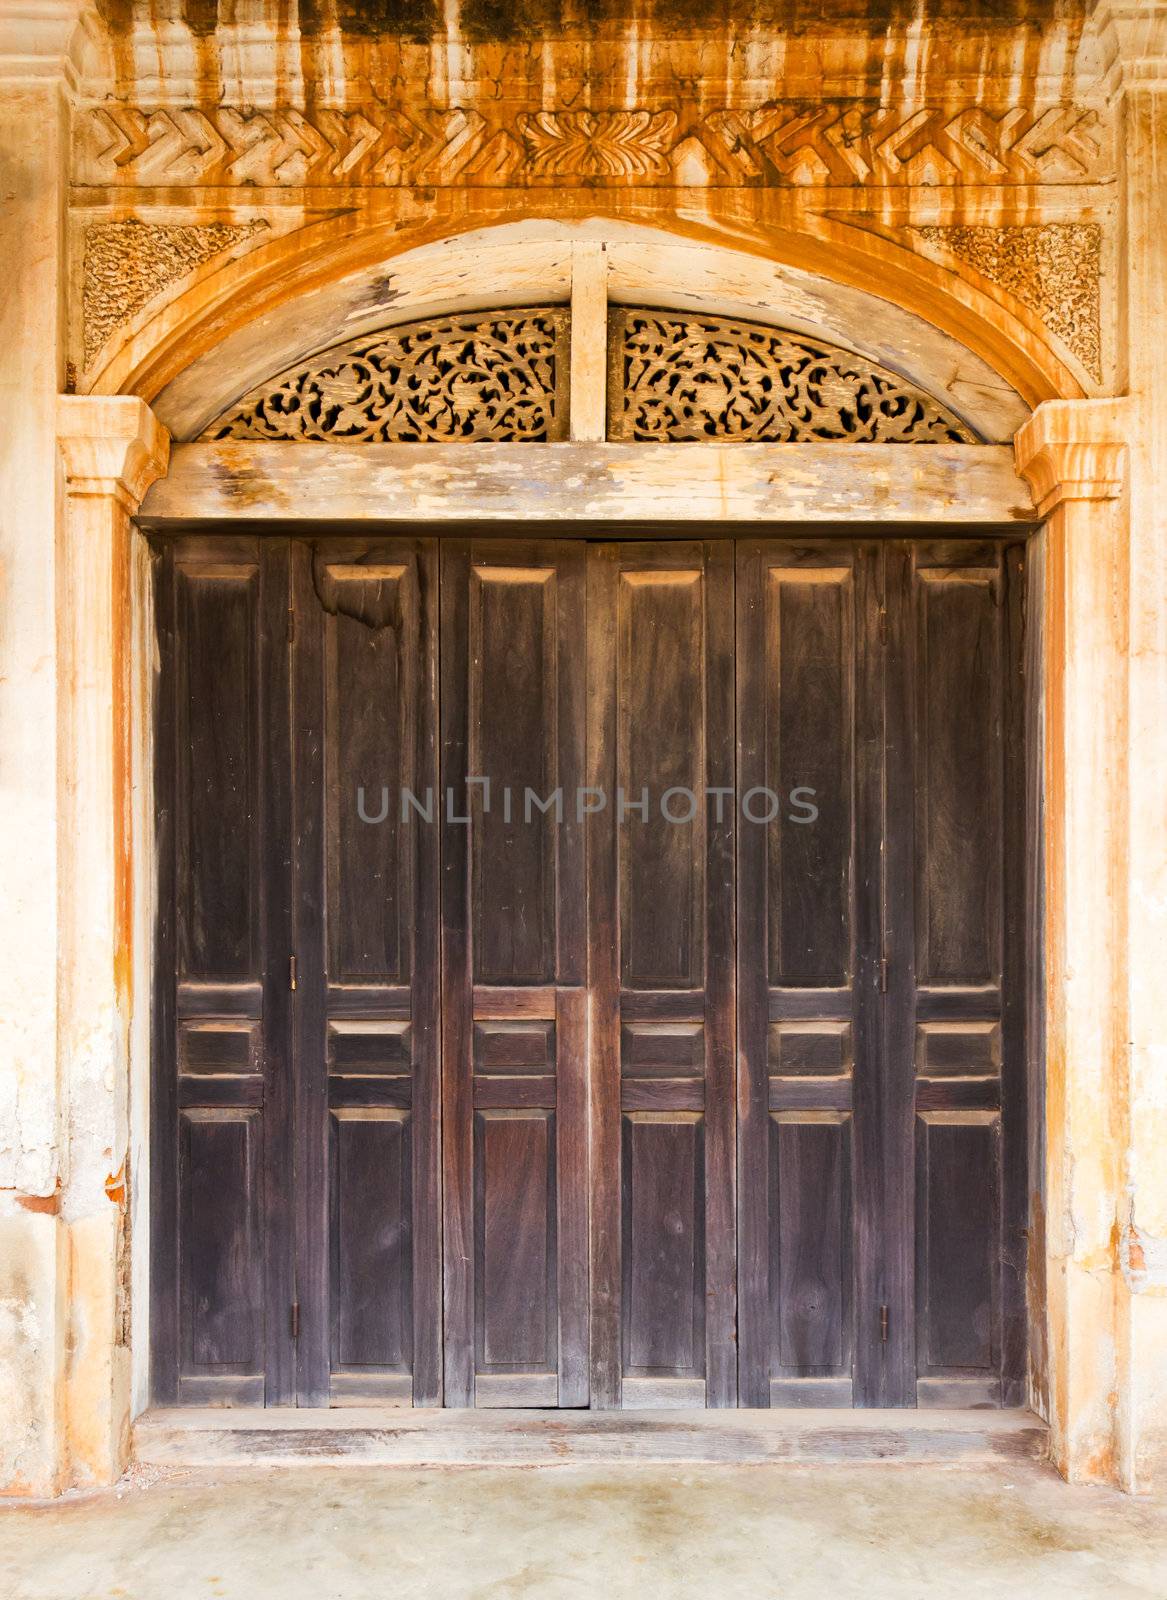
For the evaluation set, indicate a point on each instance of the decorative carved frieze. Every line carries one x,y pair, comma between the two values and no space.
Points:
127,263
598,144
450,380
1054,268
676,376
846,142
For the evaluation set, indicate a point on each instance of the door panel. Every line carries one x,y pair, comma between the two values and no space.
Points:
514,974
365,871
798,1005
221,1119
370,1220
954,1013
880,975
660,892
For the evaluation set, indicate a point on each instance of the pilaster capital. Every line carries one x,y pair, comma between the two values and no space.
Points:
1134,38
40,40
1074,450
111,446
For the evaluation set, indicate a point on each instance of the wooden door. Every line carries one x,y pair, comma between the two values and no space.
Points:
660,1044
221,1115
514,974
881,1129
810,754
660,905
365,889
955,1014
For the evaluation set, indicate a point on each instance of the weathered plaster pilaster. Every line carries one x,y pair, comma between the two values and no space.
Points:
34,41
1136,34
112,450
1074,456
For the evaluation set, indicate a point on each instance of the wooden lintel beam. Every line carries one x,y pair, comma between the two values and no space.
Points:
588,483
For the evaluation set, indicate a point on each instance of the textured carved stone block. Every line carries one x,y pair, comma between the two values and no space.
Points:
1054,268
128,263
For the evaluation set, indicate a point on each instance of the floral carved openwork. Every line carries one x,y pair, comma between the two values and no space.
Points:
676,376
449,380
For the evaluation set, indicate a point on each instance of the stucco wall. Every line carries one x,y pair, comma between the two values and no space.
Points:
180,191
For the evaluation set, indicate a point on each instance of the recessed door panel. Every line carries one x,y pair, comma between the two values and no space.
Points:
371,1231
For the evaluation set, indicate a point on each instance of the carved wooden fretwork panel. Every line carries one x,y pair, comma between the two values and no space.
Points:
500,375
676,375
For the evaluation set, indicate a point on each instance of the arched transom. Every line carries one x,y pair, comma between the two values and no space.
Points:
504,375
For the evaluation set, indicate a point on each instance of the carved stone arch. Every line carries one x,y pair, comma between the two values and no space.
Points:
288,297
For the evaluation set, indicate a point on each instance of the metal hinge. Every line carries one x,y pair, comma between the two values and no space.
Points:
883,1324
291,972
291,624
882,625
882,975
294,1319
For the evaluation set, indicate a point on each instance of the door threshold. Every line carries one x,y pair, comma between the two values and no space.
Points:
400,1437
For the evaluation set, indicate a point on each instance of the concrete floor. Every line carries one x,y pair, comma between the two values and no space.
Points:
560,1533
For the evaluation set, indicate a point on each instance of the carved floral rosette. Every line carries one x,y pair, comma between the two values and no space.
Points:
448,380
677,376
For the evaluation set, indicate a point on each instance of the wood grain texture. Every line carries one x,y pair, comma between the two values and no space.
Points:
222,1114
795,697
662,895
886,1366
363,646
528,1438
589,483
604,1246
513,714
457,1044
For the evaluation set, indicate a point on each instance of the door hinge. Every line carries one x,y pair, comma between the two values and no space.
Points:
882,975
291,625
294,1319
291,972
883,1324
883,624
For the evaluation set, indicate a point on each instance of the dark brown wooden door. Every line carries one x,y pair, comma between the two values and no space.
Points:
221,1119
514,969
954,924
589,974
365,889
881,1128
810,753
660,900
